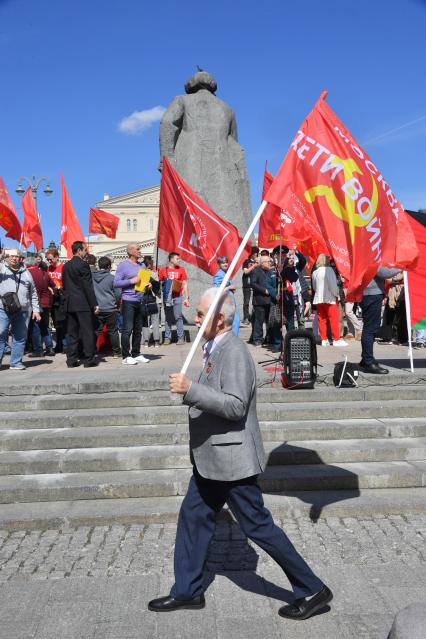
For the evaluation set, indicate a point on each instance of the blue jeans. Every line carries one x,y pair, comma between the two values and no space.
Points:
371,307
19,325
41,332
173,315
132,325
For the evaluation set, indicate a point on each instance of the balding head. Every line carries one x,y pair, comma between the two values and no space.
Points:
134,251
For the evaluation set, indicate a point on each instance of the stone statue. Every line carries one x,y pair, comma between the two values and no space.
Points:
198,134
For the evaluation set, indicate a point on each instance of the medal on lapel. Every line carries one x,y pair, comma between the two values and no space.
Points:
209,368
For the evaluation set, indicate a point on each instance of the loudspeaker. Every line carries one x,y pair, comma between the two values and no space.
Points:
300,360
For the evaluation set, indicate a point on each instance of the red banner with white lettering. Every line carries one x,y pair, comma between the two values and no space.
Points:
328,184
103,222
8,218
31,229
188,226
70,229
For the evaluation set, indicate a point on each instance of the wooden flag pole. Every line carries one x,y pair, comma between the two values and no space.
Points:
408,315
222,287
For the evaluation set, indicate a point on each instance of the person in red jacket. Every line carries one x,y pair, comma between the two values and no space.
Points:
40,330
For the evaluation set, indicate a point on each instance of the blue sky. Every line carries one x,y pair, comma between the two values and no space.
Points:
71,71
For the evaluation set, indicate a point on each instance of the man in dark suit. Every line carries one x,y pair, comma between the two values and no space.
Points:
227,455
81,304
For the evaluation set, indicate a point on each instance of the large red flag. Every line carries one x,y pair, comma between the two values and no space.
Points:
8,218
277,227
31,229
331,186
189,226
103,222
71,229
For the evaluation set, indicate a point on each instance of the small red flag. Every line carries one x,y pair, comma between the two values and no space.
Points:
103,222
8,218
31,229
71,229
189,226
332,188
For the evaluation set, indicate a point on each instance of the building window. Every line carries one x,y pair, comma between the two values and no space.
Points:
135,225
151,224
129,228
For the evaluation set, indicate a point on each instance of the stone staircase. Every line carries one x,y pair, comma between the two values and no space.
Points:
103,453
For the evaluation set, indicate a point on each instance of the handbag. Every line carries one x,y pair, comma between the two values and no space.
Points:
148,304
11,303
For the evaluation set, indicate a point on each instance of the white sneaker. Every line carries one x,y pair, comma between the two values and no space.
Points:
325,342
140,359
129,361
340,342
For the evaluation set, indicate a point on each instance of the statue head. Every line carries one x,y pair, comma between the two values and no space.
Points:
201,80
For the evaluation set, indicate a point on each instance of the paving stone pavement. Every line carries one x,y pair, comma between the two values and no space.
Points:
95,583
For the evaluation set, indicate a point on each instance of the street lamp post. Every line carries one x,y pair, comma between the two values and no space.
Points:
34,183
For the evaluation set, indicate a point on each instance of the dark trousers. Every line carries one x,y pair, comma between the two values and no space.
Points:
260,317
80,328
109,319
132,325
196,527
371,307
60,327
246,302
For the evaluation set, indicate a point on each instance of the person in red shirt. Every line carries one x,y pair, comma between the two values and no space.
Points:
175,293
54,267
40,331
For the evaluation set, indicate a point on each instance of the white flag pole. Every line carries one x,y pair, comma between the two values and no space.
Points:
222,287
408,315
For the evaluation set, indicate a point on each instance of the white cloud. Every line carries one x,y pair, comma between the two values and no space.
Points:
139,121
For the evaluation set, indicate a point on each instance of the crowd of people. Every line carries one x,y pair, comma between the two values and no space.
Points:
86,306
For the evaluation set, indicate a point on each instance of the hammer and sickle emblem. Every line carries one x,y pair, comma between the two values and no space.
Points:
348,212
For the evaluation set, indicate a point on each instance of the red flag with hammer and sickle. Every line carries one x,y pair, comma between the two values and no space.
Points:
189,226
8,218
331,187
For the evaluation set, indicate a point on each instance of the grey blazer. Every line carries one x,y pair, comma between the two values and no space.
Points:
225,439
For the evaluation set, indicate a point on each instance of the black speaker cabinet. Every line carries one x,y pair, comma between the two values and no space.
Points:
300,360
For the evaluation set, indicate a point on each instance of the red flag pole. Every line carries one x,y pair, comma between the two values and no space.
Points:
222,287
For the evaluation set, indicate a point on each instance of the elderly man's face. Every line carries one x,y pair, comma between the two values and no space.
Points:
214,325
265,262
13,261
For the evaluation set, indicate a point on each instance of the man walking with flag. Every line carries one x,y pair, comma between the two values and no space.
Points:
227,455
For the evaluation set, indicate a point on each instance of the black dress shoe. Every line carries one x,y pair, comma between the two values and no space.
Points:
50,352
374,368
90,363
168,604
305,608
73,364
